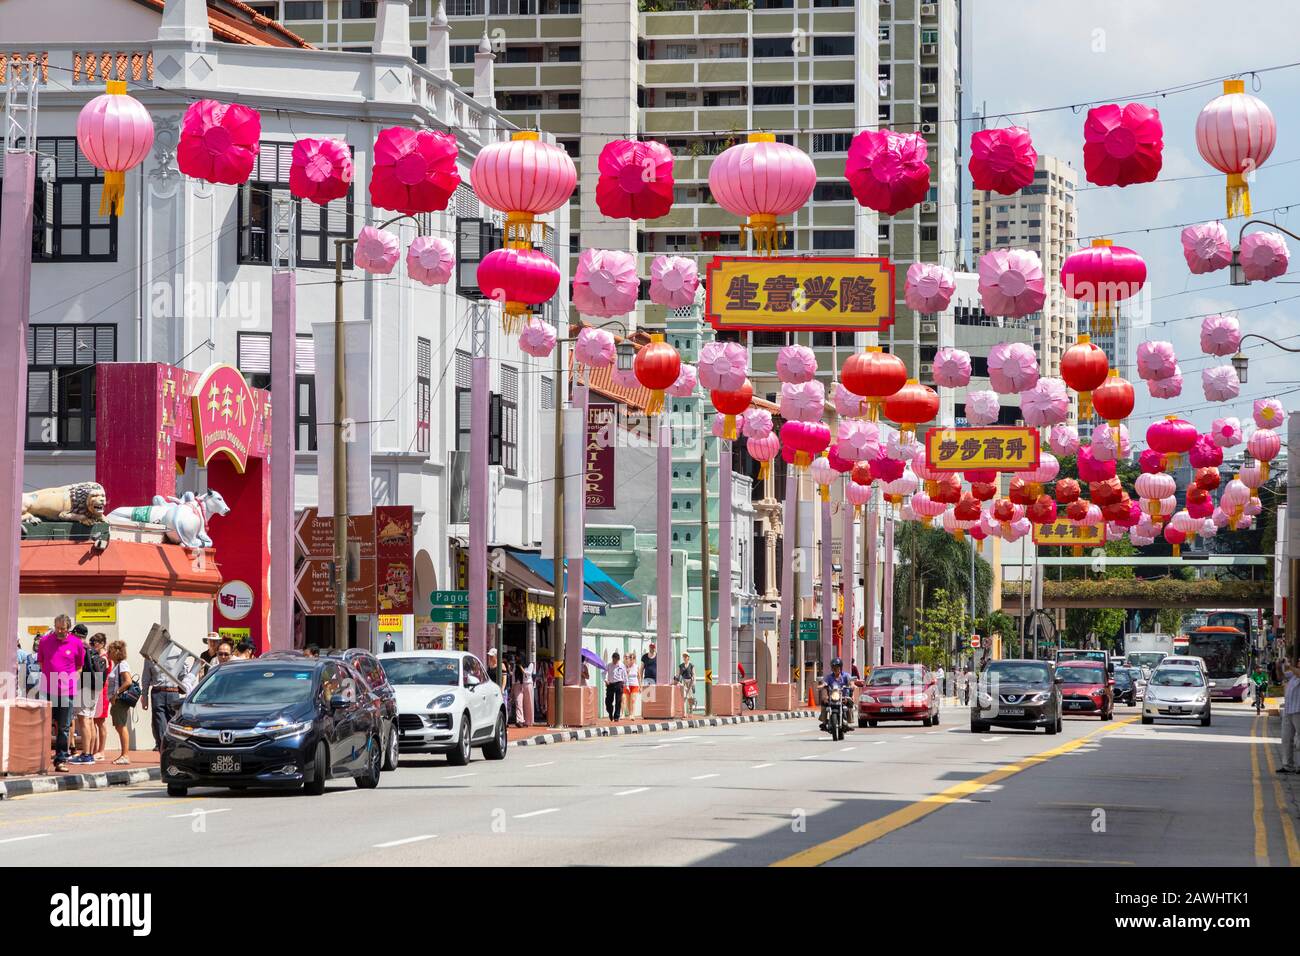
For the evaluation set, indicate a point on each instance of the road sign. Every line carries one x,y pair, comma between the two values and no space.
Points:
559,670
456,598
808,630
975,640
794,674
459,615
314,587
708,677
767,620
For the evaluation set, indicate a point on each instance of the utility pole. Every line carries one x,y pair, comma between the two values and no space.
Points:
704,570
340,459
796,562
557,535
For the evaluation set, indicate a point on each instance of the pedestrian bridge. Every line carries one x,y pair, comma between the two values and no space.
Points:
1133,593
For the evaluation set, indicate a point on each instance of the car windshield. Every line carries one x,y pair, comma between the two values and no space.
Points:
422,670
1018,673
255,685
894,677
1076,674
1123,677
1177,677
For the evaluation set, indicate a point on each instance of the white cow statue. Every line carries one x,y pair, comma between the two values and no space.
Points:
185,518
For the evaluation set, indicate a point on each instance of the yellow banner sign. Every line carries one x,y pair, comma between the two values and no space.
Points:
796,292
995,448
390,623
236,633
1067,534
96,612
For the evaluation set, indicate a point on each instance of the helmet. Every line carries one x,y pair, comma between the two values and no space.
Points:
837,663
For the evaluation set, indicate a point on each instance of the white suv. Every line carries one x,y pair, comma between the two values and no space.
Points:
446,703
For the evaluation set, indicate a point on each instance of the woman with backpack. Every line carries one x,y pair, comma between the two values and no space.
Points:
123,693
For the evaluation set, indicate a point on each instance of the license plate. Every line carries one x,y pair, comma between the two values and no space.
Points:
891,710
1175,710
224,764
1014,711
1076,704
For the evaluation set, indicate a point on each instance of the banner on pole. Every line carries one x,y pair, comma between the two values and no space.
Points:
993,448
602,420
849,294
356,417
1067,534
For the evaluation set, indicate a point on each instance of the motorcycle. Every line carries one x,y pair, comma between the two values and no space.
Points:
839,712
748,689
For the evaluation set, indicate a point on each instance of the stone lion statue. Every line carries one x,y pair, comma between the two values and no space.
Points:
83,502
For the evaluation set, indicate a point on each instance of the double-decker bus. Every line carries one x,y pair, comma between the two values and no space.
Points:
1224,645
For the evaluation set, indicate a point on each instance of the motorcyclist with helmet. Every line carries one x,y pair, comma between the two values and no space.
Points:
834,679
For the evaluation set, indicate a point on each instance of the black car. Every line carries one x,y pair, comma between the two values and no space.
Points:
382,694
1017,693
1125,687
282,722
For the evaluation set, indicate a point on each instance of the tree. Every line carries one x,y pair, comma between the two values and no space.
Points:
1000,622
938,561
942,618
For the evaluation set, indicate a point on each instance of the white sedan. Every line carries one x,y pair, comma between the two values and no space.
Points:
446,703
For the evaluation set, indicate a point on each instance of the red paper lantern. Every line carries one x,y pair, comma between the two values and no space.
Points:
1105,492
219,141
732,404
1175,538
1113,399
947,490
1042,511
913,404
967,508
414,170
861,473
1084,367
1077,510
657,366
874,375
1122,145
984,490
1207,478
1067,491
1021,492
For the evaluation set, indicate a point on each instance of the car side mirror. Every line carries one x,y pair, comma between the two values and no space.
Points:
1058,680
338,702
471,681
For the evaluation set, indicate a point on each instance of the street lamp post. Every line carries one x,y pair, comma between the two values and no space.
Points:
1239,361
1236,275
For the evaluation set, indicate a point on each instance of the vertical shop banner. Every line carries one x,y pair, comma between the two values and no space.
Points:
395,559
599,485
356,417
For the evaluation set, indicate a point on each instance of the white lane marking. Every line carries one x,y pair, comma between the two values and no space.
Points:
457,776
929,732
988,740
879,742
414,839
907,737
706,776
760,766
198,813
847,749
30,836
601,756
536,813
810,757
660,746
628,793
544,764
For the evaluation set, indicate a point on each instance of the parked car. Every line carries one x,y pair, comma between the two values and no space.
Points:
446,704
1177,692
899,692
1018,693
382,695
1086,688
283,722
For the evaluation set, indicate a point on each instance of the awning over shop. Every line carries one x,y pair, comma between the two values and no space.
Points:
599,592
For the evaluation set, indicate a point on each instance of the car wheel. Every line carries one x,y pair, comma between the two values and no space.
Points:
392,751
463,752
176,790
935,721
496,748
1148,720
1205,720
862,722
320,772
978,727
374,764
1053,728
872,723
925,721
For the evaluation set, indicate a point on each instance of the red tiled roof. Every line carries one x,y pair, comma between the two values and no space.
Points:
236,22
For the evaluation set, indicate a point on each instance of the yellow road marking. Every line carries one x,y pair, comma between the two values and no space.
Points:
170,802
1261,834
1038,859
1288,830
870,832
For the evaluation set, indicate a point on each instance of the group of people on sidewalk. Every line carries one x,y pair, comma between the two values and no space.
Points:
624,678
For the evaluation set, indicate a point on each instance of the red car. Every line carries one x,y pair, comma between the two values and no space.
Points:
1086,688
899,692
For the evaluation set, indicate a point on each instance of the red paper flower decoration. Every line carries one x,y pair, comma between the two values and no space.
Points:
1002,160
887,170
1122,145
321,170
218,141
636,180
415,170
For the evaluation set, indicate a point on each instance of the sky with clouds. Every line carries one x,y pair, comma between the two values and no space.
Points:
1029,54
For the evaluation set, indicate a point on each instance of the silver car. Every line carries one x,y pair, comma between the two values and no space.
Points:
1178,693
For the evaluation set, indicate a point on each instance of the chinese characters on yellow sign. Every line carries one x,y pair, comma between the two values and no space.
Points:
1067,534
799,293
996,448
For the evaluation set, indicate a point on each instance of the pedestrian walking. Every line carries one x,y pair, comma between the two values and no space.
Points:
27,666
632,688
35,688
686,677
615,678
493,669
99,651
92,672
1291,719
61,656
163,694
520,690
649,665
942,679
123,693
244,650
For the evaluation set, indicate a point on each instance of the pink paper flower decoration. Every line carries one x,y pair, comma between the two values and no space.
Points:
803,402
1170,387
1104,446
722,366
684,387
1002,160
899,450
626,378
796,364
1156,360
594,348
1206,453
1264,256
376,251
537,339
719,425
1064,440
858,441
1220,335
887,469
929,287
414,170
1092,468
1226,432
1046,403
1122,145
1011,282
321,170
1013,367
1220,383
431,260
673,281
219,141
1269,413
1151,461
847,405
951,367
982,407
756,423
1206,247
605,283
636,180
887,170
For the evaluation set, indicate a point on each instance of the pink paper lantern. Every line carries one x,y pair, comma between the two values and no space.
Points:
929,287
1155,486
1220,383
1064,440
1170,387
982,407
1235,133
537,339
1156,360
1011,282
1264,444
321,170
1047,470
518,279
1122,145
219,141
414,170
1206,247
1220,335
952,368
1002,160
431,260
636,180
376,251
605,283
761,180
887,170
927,508
1264,256
1227,432
756,423
115,133
1104,275
806,439
1269,413
722,366
594,348
1046,403
684,387
1091,468
803,402
1106,447
674,281
1013,367
763,448
523,178
857,495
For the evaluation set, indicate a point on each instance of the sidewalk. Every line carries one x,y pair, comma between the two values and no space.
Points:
92,776
536,736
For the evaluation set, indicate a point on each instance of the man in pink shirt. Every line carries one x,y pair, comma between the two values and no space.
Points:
61,655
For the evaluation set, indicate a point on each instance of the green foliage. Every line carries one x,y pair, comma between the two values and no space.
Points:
1000,622
942,563
941,620
1170,619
